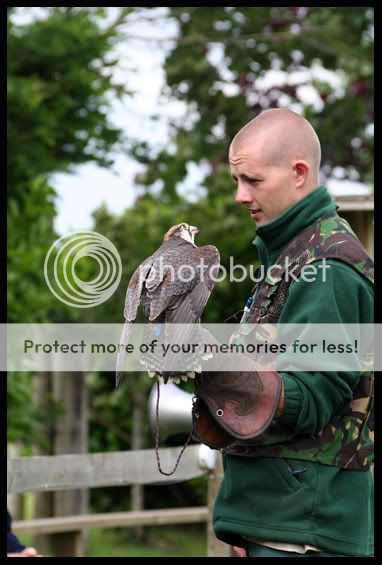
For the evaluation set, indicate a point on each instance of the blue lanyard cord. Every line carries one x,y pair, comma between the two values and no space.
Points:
247,309
249,302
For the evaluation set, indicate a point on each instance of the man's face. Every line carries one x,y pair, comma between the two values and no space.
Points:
264,188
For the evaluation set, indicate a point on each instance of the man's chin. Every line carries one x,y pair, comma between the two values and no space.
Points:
259,221
258,217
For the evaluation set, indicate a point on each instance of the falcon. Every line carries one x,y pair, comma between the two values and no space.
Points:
163,284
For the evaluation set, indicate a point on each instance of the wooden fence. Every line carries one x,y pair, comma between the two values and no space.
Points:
91,470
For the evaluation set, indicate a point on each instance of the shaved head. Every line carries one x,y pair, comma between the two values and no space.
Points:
283,136
275,161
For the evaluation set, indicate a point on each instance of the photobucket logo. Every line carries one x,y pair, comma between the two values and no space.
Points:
201,270
61,268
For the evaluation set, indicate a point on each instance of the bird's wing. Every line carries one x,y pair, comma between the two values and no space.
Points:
122,351
181,295
132,300
181,317
188,307
134,290
183,299
166,283
211,258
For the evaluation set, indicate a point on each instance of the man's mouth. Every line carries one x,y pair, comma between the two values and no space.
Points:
254,211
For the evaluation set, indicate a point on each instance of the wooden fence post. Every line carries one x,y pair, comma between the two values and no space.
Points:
43,507
71,436
137,436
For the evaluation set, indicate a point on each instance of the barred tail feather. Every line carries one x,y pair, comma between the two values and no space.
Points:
121,352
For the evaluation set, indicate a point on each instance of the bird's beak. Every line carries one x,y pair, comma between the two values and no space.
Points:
194,229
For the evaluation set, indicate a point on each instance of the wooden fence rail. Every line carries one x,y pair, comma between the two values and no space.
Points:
113,520
91,470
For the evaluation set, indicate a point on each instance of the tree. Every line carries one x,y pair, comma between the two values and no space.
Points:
59,87
59,78
217,66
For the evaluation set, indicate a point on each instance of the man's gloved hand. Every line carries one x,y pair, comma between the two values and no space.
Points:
236,398
219,358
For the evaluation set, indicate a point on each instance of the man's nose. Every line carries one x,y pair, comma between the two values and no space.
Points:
243,195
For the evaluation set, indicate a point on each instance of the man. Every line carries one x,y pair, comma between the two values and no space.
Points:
303,488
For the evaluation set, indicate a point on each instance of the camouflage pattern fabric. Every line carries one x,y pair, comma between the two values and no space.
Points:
347,440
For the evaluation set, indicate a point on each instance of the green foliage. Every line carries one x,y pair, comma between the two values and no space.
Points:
58,80
59,88
27,421
222,53
30,235
109,414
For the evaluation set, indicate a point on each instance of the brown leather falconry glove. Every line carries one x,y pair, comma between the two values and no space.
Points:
234,405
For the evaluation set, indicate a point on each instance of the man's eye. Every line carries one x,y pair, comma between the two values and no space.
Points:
247,180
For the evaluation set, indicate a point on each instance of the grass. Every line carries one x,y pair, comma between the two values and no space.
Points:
176,541
165,541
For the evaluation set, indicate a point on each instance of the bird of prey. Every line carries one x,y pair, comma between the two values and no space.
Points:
167,296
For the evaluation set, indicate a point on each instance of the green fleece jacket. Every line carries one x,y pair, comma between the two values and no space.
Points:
320,505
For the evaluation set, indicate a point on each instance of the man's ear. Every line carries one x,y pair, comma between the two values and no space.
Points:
301,171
